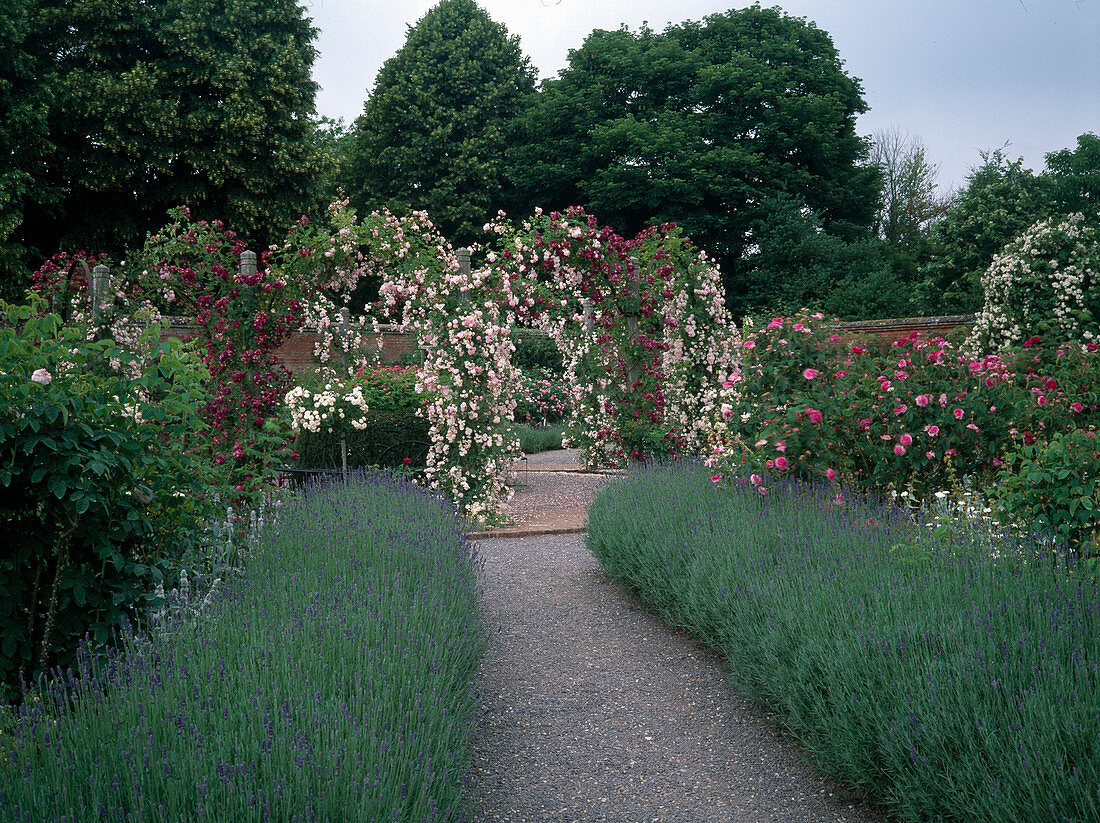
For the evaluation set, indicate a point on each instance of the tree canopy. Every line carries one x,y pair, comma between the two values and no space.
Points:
159,103
1000,200
434,130
22,139
702,124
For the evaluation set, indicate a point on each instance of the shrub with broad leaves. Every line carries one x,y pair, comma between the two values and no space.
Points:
103,491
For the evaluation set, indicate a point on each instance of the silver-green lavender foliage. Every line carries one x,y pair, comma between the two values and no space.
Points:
328,681
946,681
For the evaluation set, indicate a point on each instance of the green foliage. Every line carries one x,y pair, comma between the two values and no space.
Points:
1054,486
536,353
100,497
1000,200
156,104
795,263
535,439
1046,282
22,138
909,201
434,129
941,681
333,682
700,125
1073,176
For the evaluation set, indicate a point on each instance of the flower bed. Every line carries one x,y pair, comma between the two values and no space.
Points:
331,682
939,680
914,417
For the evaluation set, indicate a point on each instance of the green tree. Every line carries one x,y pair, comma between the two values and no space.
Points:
1074,178
434,130
794,264
159,103
1000,200
22,141
703,125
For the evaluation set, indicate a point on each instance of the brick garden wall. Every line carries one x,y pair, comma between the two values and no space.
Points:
297,352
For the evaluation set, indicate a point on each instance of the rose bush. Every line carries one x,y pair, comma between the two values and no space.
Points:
101,497
916,417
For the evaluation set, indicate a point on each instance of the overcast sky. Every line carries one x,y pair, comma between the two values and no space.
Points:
963,75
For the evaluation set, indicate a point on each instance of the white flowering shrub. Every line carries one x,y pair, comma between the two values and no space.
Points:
1046,283
334,408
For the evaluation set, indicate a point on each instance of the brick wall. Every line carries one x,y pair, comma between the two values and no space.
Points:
887,331
297,352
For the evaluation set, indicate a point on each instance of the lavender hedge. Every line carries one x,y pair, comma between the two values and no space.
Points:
945,676
330,681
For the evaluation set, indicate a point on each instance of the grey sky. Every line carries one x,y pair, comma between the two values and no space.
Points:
963,75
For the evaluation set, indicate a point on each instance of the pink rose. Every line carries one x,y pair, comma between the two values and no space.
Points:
41,377
1077,407
756,479
781,463
810,374
814,415
973,427
943,400
776,322
761,489
932,430
906,439
930,455
958,414
749,344
923,400
901,409
781,445
715,478
830,474
899,450
1050,383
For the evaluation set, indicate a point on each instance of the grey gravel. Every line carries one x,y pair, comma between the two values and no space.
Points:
592,709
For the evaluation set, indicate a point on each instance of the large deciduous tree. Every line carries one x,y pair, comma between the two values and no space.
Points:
434,130
158,103
705,124
23,100
1073,176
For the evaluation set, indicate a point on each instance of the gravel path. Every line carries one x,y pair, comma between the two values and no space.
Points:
593,710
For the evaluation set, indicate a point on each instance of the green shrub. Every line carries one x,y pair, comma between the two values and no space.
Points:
100,498
536,354
330,681
942,681
1054,486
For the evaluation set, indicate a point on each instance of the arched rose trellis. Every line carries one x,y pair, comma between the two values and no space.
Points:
640,323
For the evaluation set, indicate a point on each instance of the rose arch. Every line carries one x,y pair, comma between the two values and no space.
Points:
641,325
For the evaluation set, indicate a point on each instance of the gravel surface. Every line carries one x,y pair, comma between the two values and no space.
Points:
593,710
544,491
